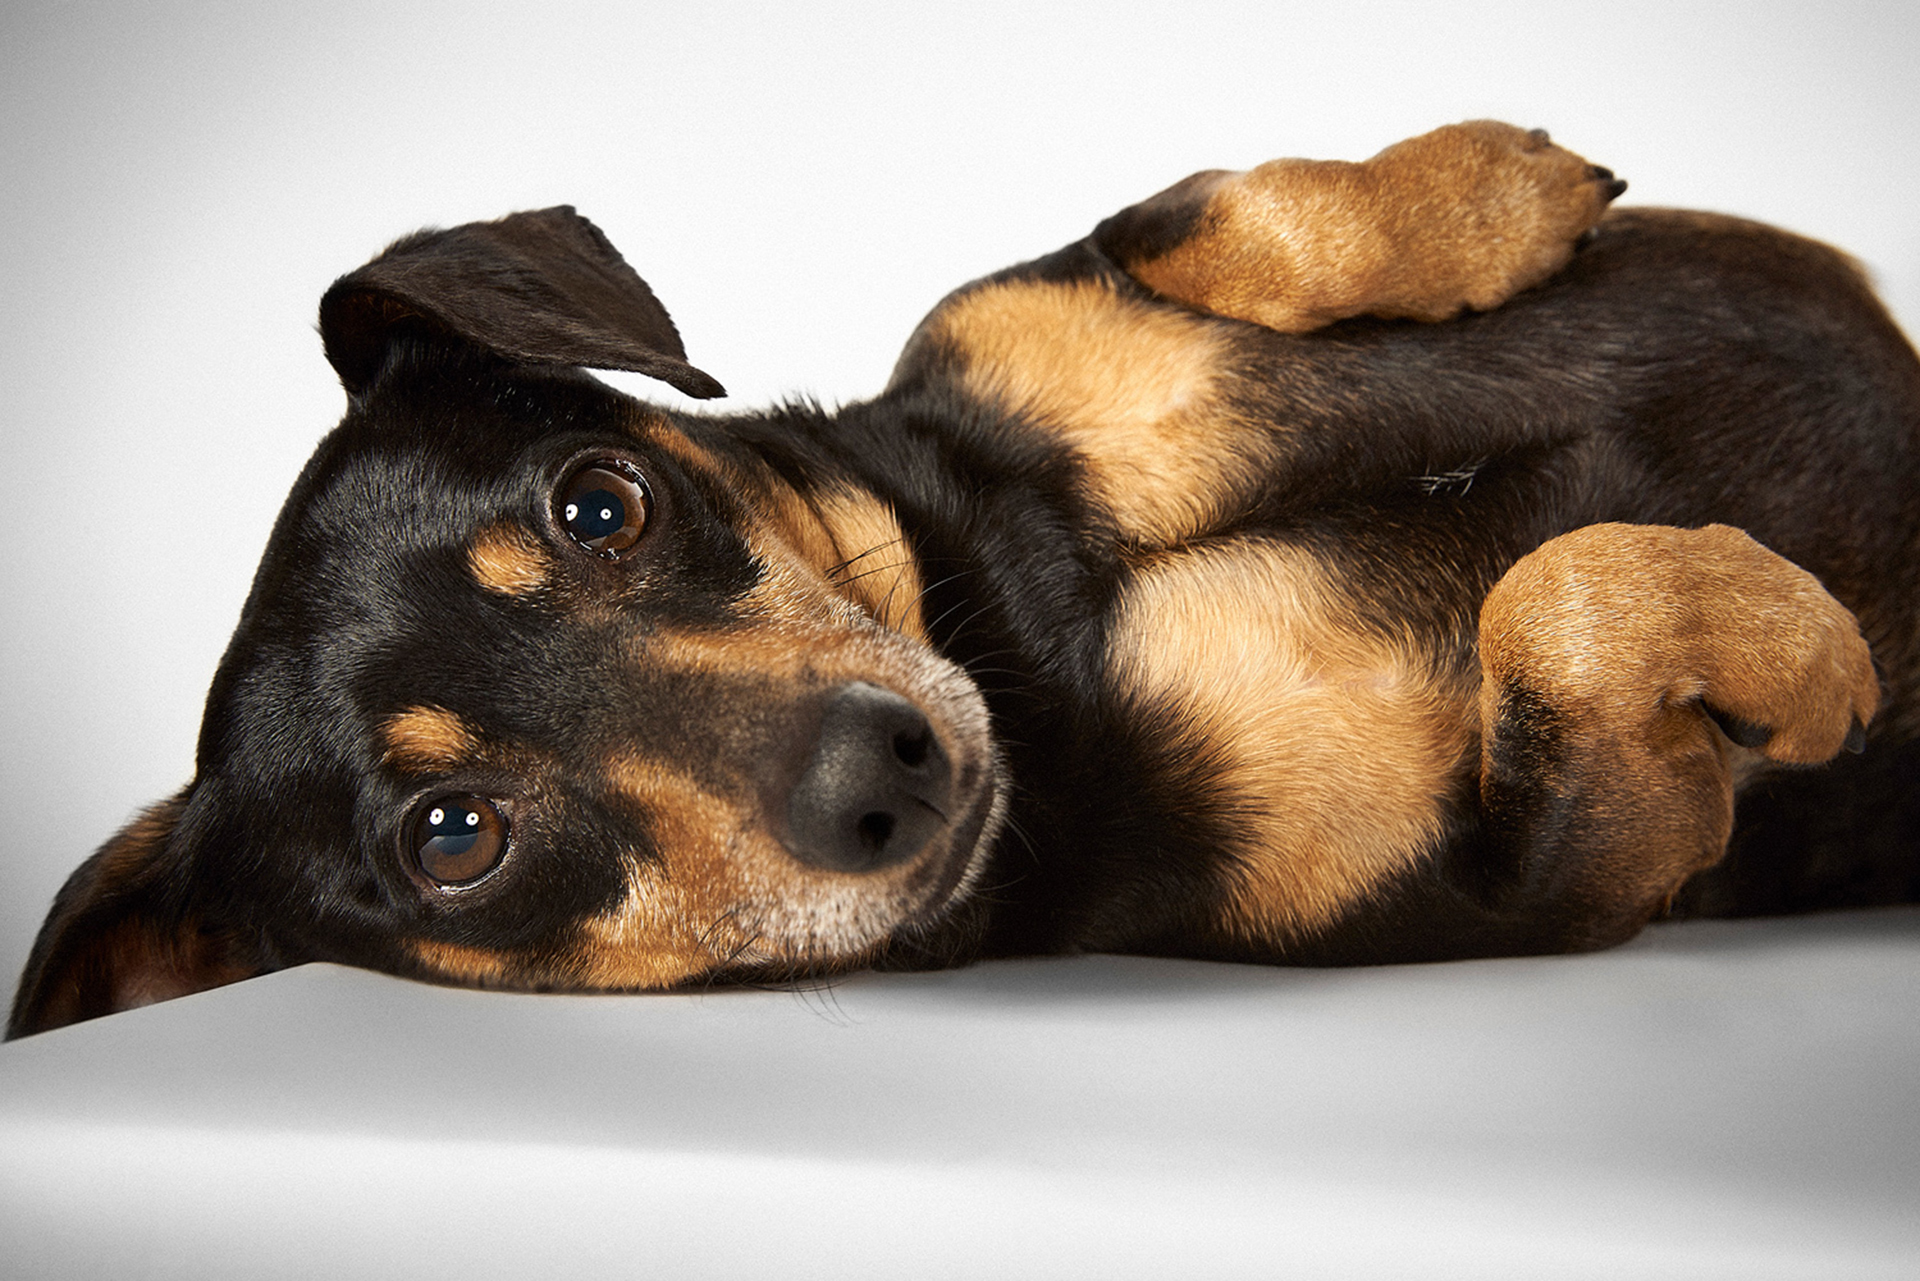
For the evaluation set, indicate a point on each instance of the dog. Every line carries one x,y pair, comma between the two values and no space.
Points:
1328,563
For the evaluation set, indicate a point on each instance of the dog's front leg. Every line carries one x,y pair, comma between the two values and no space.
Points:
1465,216
1621,665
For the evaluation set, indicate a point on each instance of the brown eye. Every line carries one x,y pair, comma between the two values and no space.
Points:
603,507
459,839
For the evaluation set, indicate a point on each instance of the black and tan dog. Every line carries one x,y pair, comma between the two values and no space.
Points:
1319,564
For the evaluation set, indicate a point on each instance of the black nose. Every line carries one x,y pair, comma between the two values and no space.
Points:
876,788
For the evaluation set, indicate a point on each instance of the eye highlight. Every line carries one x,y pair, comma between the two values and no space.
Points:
458,839
603,507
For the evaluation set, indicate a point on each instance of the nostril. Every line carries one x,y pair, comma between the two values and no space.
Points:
911,748
876,785
875,829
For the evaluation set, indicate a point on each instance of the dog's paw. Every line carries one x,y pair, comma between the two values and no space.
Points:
1786,672
1634,628
1490,209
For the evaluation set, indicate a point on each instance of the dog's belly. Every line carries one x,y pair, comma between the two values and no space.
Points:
1332,751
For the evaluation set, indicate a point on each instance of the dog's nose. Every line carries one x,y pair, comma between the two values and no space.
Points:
877,787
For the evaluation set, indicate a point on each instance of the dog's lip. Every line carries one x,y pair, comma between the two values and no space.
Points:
967,844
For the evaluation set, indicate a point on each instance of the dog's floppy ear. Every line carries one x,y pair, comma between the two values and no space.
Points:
114,941
544,286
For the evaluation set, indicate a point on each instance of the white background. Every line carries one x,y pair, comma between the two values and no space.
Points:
178,183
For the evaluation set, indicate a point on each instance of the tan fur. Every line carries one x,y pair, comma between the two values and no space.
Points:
874,565
801,655
1619,622
135,960
724,887
685,449
1137,389
1337,744
1465,216
649,942
471,965
850,539
509,561
724,890
1624,630
427,740
682,915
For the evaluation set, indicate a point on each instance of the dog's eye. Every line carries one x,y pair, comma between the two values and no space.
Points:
459,839
603,507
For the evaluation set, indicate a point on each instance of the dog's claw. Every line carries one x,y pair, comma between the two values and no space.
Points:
1856,739
1612,187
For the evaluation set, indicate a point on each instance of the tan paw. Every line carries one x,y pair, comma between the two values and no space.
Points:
1631,626
1485,210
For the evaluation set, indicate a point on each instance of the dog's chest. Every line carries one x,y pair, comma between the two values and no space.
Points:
1334,749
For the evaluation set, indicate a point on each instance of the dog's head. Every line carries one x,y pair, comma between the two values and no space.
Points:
539,686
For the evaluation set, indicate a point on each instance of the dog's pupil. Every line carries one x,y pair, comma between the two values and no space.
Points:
603,507
608,514
442,824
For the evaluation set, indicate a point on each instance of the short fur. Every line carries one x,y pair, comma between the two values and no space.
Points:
1323,564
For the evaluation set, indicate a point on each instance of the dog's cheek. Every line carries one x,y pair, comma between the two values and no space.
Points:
685,909
649,943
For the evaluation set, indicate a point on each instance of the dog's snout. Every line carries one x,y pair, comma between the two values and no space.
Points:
876,788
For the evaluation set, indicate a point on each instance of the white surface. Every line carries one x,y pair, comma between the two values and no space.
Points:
1716,1099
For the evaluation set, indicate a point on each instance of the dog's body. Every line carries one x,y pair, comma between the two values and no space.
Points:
1158,605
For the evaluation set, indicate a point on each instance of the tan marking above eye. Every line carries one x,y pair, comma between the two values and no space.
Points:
852,539
1135,387
427,740
875,566
849,538
509,561
1335,744
683,448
